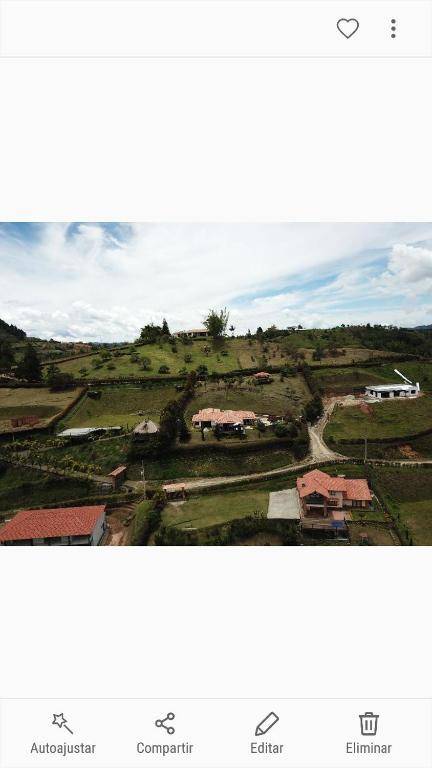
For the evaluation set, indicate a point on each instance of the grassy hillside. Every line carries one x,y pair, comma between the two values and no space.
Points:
21,488
394,418
142,361
276,398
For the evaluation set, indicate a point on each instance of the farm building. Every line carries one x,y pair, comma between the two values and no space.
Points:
214,417
145,428
382,391
118,476
262,377
67,526
174,491
322,495
194,333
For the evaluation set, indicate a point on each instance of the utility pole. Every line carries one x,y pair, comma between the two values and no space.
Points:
143,479
365,450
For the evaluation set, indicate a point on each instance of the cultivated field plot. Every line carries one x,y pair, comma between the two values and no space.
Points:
395,418
40,402
123,406
231,354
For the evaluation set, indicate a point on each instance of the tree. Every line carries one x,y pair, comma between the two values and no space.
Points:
150,334
7,357
232,329
216,323
165,329
29,367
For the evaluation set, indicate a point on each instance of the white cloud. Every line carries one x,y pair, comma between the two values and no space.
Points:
409,271
90,281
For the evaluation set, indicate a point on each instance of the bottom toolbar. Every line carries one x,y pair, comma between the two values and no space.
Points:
216,733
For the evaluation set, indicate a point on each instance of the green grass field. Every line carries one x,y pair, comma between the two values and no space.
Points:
121,406
215,508
394,418
37,401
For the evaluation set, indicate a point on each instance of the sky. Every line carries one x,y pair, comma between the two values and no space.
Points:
103,282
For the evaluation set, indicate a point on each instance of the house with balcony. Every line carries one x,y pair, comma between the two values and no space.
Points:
324,496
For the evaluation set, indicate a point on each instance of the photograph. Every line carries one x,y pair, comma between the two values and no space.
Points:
241,384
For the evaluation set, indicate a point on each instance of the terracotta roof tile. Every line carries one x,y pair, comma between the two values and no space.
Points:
319,482
51,523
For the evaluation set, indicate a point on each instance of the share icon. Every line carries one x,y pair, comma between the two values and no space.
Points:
161,723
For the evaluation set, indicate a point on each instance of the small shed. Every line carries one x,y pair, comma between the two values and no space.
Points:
174,491
118,476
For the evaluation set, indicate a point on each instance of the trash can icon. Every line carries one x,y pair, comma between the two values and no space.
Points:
369,724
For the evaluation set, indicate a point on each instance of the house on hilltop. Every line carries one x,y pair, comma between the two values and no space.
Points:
322,495
67,526
193,333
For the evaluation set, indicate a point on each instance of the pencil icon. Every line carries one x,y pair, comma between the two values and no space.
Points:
269,721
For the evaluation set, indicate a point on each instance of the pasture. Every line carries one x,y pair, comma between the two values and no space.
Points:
123,406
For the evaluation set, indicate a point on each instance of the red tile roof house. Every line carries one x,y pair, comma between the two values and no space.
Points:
66,526
324,496
212,417
262,377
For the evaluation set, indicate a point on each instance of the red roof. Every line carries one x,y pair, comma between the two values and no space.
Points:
222,417
319,482
51,523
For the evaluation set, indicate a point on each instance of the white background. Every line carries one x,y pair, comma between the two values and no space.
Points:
220,141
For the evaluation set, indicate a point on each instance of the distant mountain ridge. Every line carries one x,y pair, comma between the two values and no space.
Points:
11,332
423,327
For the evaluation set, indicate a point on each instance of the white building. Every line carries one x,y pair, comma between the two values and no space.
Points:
383,391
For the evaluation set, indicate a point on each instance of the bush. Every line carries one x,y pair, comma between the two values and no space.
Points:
164,369
281,430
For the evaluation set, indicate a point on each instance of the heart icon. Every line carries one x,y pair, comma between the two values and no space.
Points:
348,27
